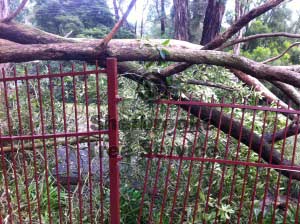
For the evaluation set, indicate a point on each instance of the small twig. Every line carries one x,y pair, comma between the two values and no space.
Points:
15,13
68,34
282,54
115,29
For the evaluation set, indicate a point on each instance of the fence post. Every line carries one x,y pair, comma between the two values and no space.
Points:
114,172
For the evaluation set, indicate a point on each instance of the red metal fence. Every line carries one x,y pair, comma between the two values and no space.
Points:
203,161
217,162
52,161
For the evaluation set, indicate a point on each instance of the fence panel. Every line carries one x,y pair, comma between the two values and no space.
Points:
204,162
217,162
54,141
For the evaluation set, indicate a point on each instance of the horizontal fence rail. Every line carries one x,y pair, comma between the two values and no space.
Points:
56,161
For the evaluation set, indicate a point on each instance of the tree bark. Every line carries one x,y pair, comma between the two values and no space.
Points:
238,14
181,19
162,18
135,50
213,20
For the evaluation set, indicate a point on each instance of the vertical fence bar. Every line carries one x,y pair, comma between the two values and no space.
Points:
114,172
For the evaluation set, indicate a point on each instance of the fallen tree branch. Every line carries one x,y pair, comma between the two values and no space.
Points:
29,35
258,36
289,90
135,50
174,69
24,34
295,68
15,13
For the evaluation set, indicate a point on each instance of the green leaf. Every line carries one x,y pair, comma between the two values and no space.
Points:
166,42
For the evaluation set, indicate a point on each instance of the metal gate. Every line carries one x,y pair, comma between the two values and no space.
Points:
203,161
53,167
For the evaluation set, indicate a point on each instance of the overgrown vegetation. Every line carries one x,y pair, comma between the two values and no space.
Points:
56,109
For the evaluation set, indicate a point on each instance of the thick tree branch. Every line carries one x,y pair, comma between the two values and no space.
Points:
23,34
258,36
15,13
174,69
135,50
30,35
6,42
289,90
295,68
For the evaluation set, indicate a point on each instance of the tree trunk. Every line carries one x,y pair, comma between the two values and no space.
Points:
196,20
181,19
237,47
213,20
162,18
